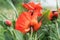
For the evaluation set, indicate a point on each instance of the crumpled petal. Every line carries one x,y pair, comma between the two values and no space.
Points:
29,6
23,22
32,6
34,21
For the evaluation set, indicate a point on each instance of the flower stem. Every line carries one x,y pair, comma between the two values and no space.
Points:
35,36
57,4
31,34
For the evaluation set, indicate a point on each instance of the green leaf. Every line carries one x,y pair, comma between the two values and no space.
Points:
8,36
18,35
44,18
2,33
10,2
2,24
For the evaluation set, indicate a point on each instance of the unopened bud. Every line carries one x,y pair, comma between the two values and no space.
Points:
8,22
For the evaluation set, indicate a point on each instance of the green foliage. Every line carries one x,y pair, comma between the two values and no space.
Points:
45,16
2,33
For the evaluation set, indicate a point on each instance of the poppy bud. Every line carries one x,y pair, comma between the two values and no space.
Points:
56,14
8,22
53,15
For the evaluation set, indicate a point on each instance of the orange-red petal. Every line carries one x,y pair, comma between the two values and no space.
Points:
50,15
23,21
27,6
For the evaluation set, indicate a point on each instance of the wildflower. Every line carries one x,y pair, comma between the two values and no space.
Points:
29,19
26,20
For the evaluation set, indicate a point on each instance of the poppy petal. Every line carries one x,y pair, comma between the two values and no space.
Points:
23,21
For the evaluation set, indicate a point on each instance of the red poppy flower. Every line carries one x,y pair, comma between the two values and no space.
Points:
26,20
29,19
